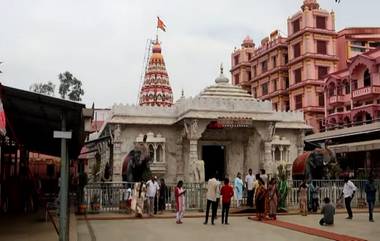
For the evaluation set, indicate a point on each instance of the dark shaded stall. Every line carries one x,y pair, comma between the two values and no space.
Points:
31,119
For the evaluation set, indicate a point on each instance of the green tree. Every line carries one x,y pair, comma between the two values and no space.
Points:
43,88
70,87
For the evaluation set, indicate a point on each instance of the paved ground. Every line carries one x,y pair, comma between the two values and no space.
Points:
241,228
26,228
357,227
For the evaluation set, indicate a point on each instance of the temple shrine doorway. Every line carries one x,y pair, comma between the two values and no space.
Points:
214,160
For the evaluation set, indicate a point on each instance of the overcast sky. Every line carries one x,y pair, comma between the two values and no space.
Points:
102,42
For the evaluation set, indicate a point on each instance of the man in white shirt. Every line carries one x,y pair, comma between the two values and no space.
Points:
212,187
348,193
249,180
152,188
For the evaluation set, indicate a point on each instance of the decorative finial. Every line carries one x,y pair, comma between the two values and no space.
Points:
182,93
221,68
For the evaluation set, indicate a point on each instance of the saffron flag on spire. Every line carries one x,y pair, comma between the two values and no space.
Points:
160,24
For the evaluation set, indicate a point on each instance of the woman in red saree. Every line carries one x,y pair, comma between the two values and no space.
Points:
179,201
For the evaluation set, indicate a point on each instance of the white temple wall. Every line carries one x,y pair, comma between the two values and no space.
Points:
254,153
131,132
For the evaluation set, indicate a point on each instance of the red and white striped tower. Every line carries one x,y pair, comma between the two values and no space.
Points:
156,89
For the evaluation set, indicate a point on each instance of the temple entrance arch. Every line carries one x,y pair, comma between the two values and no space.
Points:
214,157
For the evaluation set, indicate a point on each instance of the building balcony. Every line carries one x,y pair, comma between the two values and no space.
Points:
339,99
366,92
372,109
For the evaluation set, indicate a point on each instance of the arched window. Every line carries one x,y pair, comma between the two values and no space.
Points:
367,78
159,153
277,154
347,87
331,89
151,152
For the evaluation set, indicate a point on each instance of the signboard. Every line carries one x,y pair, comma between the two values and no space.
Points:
62,134
231,123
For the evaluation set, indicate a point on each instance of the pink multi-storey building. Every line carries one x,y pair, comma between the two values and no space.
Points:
290,71
353,94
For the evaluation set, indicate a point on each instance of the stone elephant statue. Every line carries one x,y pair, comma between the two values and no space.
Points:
313,165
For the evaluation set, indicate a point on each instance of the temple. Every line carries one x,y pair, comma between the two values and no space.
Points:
223,129
156,89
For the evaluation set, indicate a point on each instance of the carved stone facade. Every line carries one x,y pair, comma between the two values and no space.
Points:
223,120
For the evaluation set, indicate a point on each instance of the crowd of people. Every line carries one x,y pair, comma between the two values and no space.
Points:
261,195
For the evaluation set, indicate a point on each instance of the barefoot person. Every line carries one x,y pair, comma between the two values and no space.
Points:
348,193
180,202
328,212
273,198
303,198
260,199
370,190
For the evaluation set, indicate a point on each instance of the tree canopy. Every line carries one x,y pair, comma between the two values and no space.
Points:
43,88
70,87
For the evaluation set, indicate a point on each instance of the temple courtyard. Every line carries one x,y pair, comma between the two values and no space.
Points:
240,228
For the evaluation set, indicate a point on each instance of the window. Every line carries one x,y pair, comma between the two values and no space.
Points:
296,26
332,90
287,106
339,90
249,75
339,110
348,107
297,50
321,22
286,59
321,99
274,61
358,43
347,87
355,49
367,79
254,70
321,47
354,84
249,55
298,101
236,59
264,66
274,83
286,82
374,44
236,79
297,76
264,88
322,71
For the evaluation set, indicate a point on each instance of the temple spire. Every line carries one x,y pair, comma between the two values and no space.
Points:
156,89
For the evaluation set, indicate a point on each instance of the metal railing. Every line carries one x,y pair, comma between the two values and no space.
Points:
116,196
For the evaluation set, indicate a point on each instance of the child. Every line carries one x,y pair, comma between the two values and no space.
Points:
227,192
328,211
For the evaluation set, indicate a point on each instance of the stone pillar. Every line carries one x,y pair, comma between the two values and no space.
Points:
281,153
300,143
117,162
268,157
193,133
155,153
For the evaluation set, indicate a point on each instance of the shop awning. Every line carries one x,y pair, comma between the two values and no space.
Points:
32,118
356,146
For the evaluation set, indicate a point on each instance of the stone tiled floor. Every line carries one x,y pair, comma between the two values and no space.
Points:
240,229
